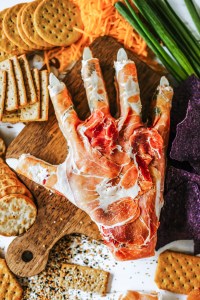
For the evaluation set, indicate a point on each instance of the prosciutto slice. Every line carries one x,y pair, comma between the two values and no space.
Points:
115,167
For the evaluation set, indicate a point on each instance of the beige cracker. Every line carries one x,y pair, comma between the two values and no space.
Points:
177,272
10,289
28,80
2,92
55,21
27,19
21,91
18,214
32,112
83,278
10,27
5,44
44,95
11,101
22,34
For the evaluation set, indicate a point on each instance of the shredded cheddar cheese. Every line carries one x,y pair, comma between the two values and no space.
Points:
99,18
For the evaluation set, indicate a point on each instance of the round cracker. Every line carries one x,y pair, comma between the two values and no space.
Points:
18,213
27,20
20,29
5,44
10,27
55,21
15,189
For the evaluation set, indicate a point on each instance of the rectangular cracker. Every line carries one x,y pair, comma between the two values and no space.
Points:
2,92
11,101
177,272
11,117
21,91
9,287
32,112
83,278
28,80
44,95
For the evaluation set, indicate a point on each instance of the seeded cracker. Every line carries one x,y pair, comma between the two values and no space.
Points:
11,102
10,289
21,91
44,96
2,92
10,27
32,112
177,272
55,21
27,20
83,278
28,80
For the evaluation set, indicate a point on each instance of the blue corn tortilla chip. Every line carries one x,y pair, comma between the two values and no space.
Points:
180,215
186,90
186,143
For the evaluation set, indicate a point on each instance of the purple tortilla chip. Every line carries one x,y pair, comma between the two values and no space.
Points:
186,90
180,215
196,166
186,145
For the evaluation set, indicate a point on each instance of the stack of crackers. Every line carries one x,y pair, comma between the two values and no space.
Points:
38,25
18,211
24,95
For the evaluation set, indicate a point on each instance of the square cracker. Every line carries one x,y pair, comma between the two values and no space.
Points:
28,80
32,112
177,272
10,289
2,92
21,91
11,101
83,278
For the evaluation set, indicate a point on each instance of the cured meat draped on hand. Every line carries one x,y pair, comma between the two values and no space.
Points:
114,170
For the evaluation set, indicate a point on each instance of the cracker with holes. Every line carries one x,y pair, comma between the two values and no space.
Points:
10,289
10,27
5,44
177,272
27,21
56,22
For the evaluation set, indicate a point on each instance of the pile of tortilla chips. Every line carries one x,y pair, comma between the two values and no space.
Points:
180,216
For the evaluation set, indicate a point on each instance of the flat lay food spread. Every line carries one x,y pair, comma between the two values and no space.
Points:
102,184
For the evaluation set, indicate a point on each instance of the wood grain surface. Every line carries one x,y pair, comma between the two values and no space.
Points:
27,255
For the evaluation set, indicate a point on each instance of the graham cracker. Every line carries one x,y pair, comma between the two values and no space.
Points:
22,34
177,272
21,91
2,92
27,20
44,95
10,27
11,101
10,289
83,278
28,80
55,21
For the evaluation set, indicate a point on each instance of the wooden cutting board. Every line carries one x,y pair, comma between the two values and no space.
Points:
27,255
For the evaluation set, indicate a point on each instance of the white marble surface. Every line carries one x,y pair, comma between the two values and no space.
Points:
138,275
